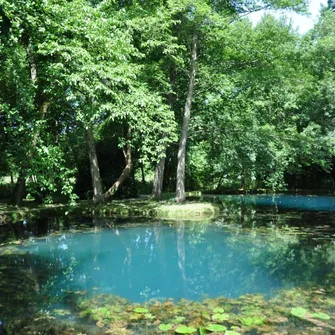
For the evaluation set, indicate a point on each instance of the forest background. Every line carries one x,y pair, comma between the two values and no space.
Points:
111,98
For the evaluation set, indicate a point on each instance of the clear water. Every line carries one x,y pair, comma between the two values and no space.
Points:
158,261
309,203
261,244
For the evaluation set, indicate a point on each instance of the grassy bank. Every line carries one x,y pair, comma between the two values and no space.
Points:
118,208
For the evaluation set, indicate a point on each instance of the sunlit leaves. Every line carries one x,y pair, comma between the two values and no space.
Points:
220,316
216,328
185,330
320,315
232,332
141,310
252,320
165,327
253,123
218,310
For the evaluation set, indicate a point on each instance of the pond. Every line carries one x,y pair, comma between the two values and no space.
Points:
264,267
310,203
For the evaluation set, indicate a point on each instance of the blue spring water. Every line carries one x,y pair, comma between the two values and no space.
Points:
188,260
310,203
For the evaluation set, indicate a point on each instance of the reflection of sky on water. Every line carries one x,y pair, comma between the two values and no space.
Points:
188,261
315,203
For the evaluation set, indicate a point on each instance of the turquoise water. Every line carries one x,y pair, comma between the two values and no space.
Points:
260,245
158,262
186,260
310,203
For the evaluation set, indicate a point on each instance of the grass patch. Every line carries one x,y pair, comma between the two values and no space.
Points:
192,210
117,208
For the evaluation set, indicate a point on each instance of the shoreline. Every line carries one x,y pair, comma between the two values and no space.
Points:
190,210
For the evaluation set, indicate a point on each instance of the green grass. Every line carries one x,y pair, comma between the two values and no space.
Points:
117,208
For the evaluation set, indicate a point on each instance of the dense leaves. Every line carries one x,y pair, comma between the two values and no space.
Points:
262,109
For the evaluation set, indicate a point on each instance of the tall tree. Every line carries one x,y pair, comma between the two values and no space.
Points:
206,16
26,99
180,188
252,121
95,50
155,37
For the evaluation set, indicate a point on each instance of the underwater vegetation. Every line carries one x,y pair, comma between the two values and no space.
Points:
293,311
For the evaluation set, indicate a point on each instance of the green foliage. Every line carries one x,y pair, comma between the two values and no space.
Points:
216,328
253,126
299,312
178,319
141,310
218,310
264,101
185,330
265,315
220,316
320,315
232,332
304,314
165,327
252,320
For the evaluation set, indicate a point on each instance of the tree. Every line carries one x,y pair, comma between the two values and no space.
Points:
155,36
251,110
204,18
27,102
254,105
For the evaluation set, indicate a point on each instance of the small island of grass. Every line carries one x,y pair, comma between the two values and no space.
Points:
142,208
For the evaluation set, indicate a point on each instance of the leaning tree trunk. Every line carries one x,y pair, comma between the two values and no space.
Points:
180,187
94,167
126,171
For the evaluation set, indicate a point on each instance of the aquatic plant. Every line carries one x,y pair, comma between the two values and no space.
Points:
249,314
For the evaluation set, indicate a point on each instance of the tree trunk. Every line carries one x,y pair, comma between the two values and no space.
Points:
180,187
244,183
125,173
220,182
157,188
158,179
94,167
17,198
142,173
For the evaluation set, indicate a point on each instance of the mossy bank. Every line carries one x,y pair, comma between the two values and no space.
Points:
117,208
